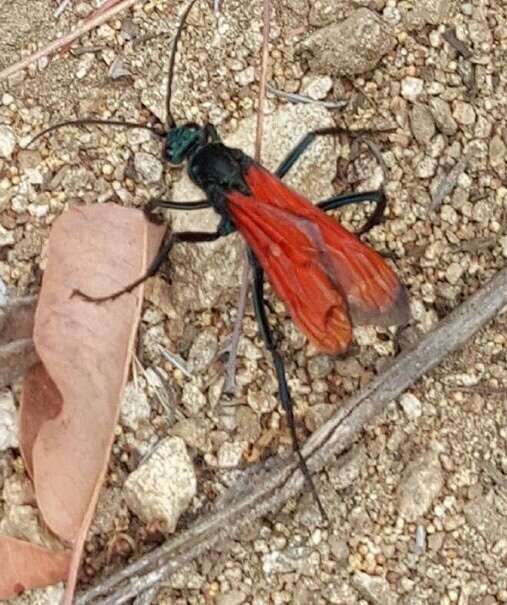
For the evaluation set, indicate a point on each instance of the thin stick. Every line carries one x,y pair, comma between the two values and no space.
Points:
232,360
264,78
68,39
230,369
267,488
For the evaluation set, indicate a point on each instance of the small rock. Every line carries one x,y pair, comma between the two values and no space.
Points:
426,167
374,589
317,87
203,351
443,116
464,113
51,595
192,398
411,88
18,490
291,559
345,473
7,142
163,486
483,515
454,273
497,152
503,244
317,415
339,549
84,65
246,76
232,597
248,427
23,522
421,484
135,408
230,454
193,431
411,405
351,47
148,168
6,237
320,366
422,123
426,12
324,12
8,421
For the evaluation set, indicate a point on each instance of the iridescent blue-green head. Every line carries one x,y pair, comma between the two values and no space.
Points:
181,142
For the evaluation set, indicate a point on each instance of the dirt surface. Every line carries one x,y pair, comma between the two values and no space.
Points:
419,513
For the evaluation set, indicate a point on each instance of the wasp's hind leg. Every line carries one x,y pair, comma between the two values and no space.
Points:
377,197
283,387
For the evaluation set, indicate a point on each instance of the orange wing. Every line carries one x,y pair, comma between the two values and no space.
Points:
322,272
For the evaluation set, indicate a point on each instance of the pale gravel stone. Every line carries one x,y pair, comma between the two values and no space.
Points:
442,114
317,87
8,420
163,486
422,123
6,237
375,590
411,405
7,142
291,559
464,113
148,167
230,454
203,351
411,88
351,47
422,482
52,595
192,398
135,408
454,272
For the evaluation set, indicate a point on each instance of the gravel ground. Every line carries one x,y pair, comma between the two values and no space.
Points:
420,509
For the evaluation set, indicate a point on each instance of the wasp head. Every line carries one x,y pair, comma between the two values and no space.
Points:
181,142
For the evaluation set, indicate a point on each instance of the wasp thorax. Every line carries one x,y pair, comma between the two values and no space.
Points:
181,143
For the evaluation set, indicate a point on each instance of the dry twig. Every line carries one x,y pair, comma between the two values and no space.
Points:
269,487
87,26
230,371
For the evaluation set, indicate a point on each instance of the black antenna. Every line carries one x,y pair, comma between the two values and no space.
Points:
170,121
85,121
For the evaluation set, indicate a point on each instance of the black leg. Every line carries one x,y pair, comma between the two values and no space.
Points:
283,387
294,155
160,203
378,197
164,250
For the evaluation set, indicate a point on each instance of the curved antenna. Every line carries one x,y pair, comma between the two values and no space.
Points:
170,121
85,121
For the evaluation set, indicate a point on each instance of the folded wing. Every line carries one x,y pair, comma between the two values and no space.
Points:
323,273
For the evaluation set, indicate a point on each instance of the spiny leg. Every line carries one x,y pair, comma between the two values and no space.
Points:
294,155
377,197
193,237
283,387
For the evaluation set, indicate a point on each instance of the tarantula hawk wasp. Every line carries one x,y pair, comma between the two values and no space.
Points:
324,274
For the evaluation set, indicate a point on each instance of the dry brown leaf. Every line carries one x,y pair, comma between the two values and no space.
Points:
26,565
70,403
